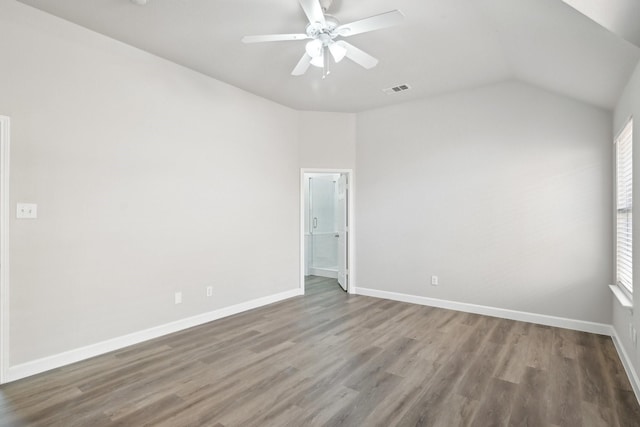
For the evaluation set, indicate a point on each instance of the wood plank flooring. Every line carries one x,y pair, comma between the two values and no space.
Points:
334,359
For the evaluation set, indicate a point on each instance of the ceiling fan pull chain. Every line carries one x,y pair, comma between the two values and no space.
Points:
325,62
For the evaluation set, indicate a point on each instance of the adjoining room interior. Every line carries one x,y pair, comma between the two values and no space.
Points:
321,248
326,221
161,261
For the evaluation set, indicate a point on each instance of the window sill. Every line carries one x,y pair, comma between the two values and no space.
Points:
622,297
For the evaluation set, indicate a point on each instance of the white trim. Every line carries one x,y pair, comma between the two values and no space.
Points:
5,126
302,231
626,363
622,297
51,362
351,253
541,319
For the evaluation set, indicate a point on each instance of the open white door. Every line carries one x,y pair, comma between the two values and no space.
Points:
343,231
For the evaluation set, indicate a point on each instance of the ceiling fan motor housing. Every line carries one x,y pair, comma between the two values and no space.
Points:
316,29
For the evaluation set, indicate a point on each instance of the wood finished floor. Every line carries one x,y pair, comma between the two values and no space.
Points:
332,359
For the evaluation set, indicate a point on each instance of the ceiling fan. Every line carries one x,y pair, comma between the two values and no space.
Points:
324,31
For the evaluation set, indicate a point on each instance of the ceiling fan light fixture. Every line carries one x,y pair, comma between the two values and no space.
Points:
318,61
314,48
337,51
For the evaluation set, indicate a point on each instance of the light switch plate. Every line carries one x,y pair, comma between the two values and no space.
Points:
27,211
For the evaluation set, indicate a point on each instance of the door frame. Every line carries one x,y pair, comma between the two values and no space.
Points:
5,133
351,241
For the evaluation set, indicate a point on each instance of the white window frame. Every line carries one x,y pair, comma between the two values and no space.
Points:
624,208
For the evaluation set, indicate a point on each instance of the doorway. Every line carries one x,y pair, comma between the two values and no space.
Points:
4,248
327,226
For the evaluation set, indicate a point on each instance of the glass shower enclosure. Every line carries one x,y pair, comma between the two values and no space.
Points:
321,234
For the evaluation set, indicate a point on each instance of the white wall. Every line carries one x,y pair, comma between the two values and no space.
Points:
629,105
327,140
149,178
504,192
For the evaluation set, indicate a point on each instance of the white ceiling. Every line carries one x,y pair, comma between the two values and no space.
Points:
618,16
443,45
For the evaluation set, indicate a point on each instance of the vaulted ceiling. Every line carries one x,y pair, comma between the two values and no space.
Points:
442,46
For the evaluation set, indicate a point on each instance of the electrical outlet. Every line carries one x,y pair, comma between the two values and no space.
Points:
434,280
26,211
178,297
209,291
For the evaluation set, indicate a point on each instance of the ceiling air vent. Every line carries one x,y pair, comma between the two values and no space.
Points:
396,89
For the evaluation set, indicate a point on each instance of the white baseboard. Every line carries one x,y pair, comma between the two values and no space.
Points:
323,272
541,319
62,359
627,363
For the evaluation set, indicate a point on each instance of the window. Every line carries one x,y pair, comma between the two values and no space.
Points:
624,229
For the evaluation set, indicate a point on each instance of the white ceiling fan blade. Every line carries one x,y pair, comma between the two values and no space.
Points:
358,56
274,38
303,65
372,23
313,10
